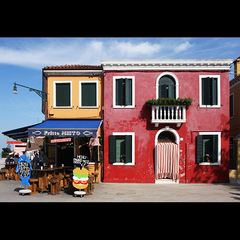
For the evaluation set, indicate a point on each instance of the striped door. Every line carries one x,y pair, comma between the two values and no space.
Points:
167,160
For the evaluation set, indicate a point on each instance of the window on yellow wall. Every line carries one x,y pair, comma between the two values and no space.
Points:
62,94
88,94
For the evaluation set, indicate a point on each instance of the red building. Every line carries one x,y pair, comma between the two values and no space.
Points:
146,143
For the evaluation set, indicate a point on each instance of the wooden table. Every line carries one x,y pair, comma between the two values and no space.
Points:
43,176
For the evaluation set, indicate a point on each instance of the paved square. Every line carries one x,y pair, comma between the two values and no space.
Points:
131,192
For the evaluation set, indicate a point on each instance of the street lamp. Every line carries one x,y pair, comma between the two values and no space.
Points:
42,94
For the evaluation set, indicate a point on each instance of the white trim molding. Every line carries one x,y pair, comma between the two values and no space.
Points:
168,64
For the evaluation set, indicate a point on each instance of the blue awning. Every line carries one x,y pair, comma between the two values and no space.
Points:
71,128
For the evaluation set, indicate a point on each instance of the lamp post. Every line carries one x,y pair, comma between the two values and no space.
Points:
42,94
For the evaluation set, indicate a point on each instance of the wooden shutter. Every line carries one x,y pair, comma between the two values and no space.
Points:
199,150
62,94
89,94
128,91
128,149
163,91
171,93
112,149
206,91
215,148
214,91
119,91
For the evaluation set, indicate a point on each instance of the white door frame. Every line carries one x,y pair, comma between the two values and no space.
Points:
177,139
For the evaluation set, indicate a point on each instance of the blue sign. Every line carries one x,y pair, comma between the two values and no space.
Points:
70,133
24,169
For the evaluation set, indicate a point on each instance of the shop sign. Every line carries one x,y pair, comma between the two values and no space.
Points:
80,161
72,133
60,140
14,142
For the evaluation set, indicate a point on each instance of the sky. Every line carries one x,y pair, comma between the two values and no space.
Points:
22,60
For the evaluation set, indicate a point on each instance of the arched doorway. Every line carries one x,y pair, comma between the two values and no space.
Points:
167,154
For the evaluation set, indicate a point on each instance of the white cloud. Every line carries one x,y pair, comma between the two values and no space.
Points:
128,49
182,47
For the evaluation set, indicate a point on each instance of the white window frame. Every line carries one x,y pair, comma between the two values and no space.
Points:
218,91
133,148
80,94
176,83
54,94
219,148
114,92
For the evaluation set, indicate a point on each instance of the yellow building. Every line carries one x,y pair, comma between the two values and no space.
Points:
73,114
234,162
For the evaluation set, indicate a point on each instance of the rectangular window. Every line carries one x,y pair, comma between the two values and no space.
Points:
231,102
121,149
88,94
124,92
208,145
209,91
62,94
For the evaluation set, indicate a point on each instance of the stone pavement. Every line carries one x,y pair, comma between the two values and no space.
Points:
131,192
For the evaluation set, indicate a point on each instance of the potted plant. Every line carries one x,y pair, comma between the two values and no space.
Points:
122,158
208,157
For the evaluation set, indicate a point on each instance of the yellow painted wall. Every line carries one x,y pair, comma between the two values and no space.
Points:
75,111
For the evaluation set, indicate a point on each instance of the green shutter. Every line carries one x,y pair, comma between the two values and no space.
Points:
163,91
62,94
199,150
171,93
112,149
89,94
215,148
128,149
119,91
206,91
128,91
214,91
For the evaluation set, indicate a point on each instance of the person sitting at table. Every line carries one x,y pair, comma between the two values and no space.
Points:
45,159
8,160
16,158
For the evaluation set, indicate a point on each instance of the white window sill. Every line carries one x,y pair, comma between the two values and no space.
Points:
209,163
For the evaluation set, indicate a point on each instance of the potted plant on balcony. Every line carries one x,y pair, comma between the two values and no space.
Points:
169,101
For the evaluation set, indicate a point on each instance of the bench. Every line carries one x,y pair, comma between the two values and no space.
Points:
2,175
54,186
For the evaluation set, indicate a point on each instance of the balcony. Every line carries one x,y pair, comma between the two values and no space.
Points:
168,114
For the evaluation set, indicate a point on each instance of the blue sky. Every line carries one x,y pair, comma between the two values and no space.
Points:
22,60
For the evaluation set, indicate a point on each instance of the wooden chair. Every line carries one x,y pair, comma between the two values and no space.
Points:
33,185
2,175
54,186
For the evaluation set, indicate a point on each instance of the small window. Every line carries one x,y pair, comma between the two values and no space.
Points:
121,149
88,94
123,92
208,148
62,94
167,88
231,101
209,91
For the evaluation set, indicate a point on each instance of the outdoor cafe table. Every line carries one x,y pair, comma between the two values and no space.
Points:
11,171
48,173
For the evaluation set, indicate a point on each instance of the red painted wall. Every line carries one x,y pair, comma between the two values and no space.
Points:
138,120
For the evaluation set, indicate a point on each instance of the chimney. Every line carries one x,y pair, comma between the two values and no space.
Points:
236,67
